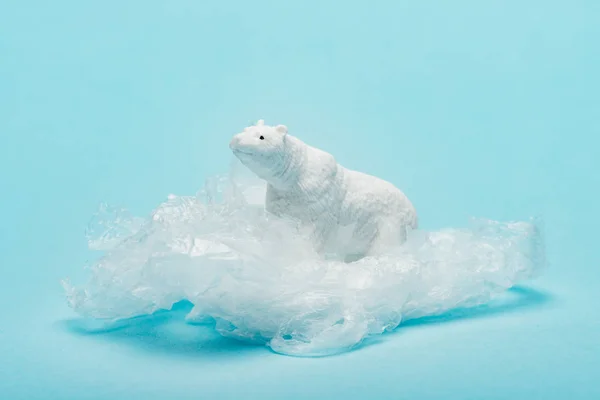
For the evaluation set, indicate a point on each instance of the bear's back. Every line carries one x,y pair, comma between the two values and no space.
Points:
370,195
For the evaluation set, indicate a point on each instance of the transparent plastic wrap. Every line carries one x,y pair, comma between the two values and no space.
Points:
256,277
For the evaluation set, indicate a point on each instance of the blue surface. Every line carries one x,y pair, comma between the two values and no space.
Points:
473,108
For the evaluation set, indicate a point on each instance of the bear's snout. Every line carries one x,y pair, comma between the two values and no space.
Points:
234,142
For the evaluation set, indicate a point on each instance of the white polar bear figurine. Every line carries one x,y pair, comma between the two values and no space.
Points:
349,214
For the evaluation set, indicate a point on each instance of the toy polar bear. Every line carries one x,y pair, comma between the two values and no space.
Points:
349,214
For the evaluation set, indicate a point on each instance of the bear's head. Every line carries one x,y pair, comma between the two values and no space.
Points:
262,149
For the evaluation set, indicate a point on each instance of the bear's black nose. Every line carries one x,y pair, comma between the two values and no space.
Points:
262,138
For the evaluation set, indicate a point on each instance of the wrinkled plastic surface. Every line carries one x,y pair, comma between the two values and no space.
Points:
255,277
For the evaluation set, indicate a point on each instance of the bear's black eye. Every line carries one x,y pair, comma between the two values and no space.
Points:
262,137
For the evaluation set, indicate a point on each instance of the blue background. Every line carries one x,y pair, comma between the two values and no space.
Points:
473,108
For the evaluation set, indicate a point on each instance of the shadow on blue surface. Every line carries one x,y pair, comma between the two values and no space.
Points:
164,331
519,298
168,332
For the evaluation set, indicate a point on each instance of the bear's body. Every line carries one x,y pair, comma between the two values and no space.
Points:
348,213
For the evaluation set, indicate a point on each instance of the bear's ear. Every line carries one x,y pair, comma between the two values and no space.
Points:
281,129
261,122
